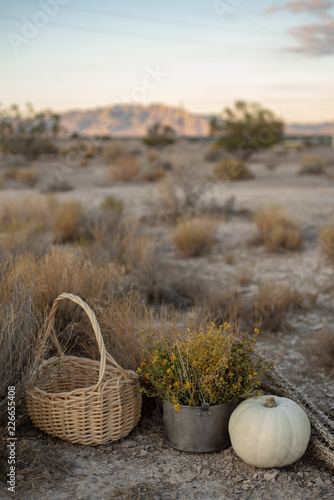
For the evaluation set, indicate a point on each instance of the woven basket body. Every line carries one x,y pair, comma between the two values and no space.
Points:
81,400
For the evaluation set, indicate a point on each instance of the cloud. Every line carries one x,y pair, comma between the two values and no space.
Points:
308,6
316,6
315,39
272,9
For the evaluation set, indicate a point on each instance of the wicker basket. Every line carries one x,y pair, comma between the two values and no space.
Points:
81,400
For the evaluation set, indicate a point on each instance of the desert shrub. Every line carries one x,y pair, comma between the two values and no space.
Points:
215,153
154,174
312,165
248,128
57,186
10,173
66,221
112,203
152,156
276,230
159,135
30,133
30,211
112,152
272,303
232,169
326,240
194,237
179,197
125,169
38,214
28,176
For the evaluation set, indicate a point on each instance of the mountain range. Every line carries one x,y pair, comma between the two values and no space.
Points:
133,120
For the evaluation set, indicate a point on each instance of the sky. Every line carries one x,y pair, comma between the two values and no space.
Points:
196,54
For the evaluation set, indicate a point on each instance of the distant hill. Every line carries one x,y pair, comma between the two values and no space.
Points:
325,128
133,120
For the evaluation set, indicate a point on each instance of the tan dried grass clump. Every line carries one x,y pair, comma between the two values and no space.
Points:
154,175
232,169
125,169
195,236
326,240
28,176
112,152
272,304
276,230
32,216
66,220
312,165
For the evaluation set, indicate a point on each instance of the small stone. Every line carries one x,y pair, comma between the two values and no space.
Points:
206,472
255,475
319,482
270,476
309,484
19,476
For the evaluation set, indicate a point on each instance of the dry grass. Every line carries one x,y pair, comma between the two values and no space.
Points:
112,203
323,348
272,303
312,165
125,169
154,174
28,177
10,174
112,152
244,275
195,236
183,195
152,156
35,215
326,240
66,221
232,169
21,350
276,229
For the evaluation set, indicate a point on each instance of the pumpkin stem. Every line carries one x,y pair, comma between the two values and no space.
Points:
270,402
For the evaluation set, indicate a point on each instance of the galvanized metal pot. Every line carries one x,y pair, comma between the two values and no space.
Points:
197,428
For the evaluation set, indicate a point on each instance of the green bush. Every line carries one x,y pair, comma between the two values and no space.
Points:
249,128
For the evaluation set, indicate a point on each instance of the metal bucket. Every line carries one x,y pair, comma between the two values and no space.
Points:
197,429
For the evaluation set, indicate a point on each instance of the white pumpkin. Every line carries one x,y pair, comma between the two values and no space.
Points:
269,431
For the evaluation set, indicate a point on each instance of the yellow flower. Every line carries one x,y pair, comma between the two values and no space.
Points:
177,407
188,385
256,331
173,358
177,384
143,364
146,375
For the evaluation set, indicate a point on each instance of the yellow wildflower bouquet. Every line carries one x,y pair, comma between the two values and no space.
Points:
216,365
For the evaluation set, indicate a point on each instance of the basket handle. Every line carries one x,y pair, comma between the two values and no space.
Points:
96,327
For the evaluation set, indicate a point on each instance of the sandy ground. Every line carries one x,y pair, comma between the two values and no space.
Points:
142,466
